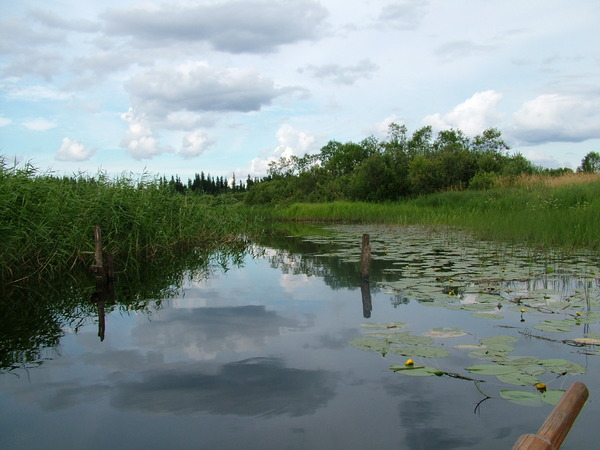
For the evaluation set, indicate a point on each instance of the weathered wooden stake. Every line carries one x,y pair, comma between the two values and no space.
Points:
365,257
98,267
554,430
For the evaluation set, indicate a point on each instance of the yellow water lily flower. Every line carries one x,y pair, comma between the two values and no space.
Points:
541,387
409,362
522,310
578,313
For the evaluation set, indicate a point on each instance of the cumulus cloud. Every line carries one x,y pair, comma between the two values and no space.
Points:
343,74
52,20
557,118
404,15
472,116
234,26
139,139
291,142
195,143
73,151
451,51
199,87
39,124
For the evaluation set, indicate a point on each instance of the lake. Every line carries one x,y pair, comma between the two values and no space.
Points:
286,347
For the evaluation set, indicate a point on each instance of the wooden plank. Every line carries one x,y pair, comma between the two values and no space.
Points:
554,430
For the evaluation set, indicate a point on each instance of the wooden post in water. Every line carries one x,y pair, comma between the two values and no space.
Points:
365,257
98,267
554,430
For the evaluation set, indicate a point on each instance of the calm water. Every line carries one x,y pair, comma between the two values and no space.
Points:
258,357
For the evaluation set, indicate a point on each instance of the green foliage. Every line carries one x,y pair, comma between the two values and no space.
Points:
399,167
590,163
47,222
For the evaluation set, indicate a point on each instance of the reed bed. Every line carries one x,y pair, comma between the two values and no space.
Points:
558,211
46,223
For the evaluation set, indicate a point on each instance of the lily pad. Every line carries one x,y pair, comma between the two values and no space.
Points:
416,371
518,378
445,332
523,398
482,315
421,351
552,397
408,339
492,369
560,366
384,326
369,343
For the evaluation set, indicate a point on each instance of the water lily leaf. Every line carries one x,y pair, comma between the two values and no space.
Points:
519,378
421,351
500,339
369,343
524,361
384,326
415,371
489,354
523,398
492,369
562,366
552,397
408,339
482,315
586,341
553,328
445,332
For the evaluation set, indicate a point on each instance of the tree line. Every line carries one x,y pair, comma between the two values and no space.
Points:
399,166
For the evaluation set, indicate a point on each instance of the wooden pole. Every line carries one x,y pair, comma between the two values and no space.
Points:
554,430
365,257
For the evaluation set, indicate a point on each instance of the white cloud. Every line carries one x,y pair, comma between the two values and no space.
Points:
543,160
343,74
555,117
233,26
199,87
73,151
472,116
195,143
139,139
4,122
33,93
39,124
291,142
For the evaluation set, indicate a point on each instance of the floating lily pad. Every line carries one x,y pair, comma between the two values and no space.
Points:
421,351
523,398
492,369
369,343
500,339
586,341
415,371
445,332
384,326
483,315
562,366
408,339
518,378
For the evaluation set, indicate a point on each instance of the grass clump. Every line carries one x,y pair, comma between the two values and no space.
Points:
559,211
46,222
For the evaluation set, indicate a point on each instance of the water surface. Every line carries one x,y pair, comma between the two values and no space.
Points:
257,354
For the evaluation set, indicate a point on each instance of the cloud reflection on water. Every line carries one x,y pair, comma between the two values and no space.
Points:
252,387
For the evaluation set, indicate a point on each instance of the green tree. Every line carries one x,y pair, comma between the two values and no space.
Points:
590,163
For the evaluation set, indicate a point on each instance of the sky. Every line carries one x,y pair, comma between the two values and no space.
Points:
227,86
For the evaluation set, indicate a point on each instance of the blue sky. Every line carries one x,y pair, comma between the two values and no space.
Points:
179,87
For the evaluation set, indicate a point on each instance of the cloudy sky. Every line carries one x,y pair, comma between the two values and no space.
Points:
223,86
